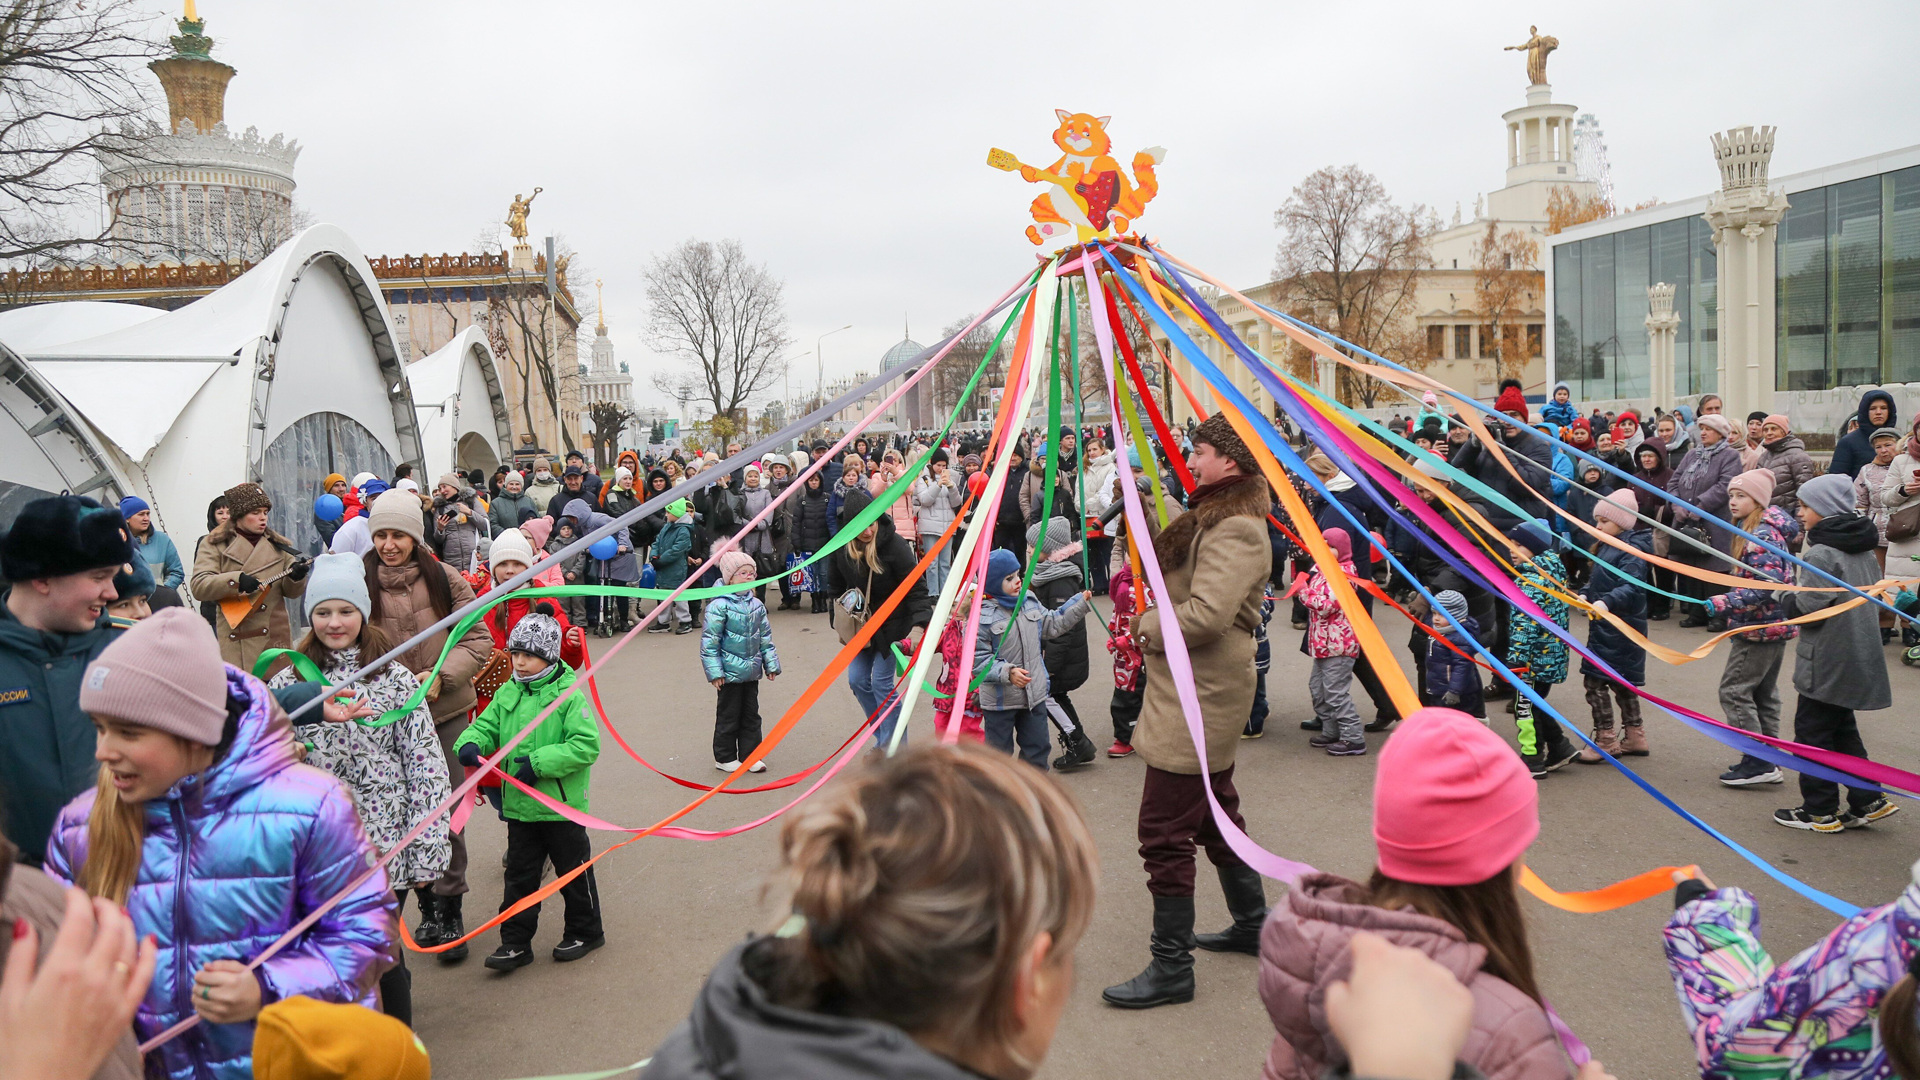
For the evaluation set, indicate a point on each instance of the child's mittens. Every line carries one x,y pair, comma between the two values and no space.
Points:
1599,609
470,755
523,770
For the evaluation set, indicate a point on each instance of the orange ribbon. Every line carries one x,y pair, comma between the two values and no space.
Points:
1617,895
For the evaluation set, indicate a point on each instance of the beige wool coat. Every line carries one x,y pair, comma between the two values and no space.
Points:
1215,591
405,610
224,555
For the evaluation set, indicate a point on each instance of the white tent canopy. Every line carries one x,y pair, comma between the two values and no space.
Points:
47,447
461,409
281,376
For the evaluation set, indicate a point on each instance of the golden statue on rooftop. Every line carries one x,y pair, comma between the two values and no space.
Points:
517,214
1536,47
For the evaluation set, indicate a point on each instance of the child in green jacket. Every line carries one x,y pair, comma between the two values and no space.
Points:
554,759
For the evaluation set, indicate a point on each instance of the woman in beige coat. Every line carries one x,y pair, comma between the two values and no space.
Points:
411,590
244,559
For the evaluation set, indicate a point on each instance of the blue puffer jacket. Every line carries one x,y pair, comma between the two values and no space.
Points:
737,642
232,859
1619,579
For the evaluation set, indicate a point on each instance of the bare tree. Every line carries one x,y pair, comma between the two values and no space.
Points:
610,419
1350,259
68,80
950,376
1505,288
724,315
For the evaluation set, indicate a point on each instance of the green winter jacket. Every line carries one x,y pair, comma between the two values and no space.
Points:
46,741
562,749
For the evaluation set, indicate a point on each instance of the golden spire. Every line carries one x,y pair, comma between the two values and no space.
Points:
191,17
599,303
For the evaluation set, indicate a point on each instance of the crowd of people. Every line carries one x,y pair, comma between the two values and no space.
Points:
936,894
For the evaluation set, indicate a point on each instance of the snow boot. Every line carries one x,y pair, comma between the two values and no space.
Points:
1080,751
1608,741
451,926
1168,980
1247,902
1633,743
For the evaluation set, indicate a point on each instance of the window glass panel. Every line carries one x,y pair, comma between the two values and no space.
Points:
1436,341
1633,263
1463,342
1598,344
1902,268
1800,272
1702,313
1853,230
1566,319
1670,266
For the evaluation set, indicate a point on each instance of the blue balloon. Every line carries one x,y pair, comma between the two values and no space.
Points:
604,548
329,508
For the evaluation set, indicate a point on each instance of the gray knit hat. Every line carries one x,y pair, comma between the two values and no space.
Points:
1829,495
536,635
398,510
165,673
340,575
1453,604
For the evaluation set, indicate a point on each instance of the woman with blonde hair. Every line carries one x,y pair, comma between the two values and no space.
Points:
217,841
934,901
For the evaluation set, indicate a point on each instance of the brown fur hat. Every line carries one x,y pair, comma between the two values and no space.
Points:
1217,433
244,499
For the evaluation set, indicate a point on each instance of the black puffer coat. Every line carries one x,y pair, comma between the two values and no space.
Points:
895,573
1067,664
813,519
1618,581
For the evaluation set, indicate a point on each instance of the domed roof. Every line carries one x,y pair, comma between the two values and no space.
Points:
901,353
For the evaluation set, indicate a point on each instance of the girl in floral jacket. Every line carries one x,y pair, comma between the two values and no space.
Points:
1750,684
1841,1010
1333,646
396,771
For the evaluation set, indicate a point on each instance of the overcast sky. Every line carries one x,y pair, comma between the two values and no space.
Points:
844,143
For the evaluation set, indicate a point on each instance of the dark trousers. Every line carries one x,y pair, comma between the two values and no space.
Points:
736,721
1829,727
1174,817
1125,710
1383,708
530,844
396,984
1099,555
1026,726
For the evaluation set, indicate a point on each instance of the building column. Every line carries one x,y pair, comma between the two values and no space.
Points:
1745,218
1662,323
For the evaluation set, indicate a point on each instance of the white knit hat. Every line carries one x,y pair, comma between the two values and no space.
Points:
512,545
398,510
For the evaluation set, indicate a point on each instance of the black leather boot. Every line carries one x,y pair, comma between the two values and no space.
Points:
1080,751
1247,902
429,933
451,926
1168,980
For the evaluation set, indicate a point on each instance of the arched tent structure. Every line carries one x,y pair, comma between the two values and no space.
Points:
461,409
47,448
283,375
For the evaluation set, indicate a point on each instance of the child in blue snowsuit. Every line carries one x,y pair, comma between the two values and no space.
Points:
1452,679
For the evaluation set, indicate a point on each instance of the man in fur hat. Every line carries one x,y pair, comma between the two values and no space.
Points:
1216,559
59,560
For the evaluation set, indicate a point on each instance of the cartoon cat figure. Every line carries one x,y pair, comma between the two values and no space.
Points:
1090,192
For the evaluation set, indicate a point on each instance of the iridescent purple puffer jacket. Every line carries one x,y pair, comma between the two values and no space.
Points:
234,857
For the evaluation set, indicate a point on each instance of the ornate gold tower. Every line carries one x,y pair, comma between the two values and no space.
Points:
196,83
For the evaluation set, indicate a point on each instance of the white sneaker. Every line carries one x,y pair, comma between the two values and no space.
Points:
758,766
726,766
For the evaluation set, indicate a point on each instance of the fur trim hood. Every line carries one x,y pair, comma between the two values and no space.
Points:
1245,495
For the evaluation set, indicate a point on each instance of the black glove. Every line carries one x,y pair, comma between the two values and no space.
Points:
470,756
523,771
298,571
247,583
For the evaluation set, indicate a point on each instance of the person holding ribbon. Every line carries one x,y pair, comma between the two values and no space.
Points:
216,841
249,571
394,768
1215,559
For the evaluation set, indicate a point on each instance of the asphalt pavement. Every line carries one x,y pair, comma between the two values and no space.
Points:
672,906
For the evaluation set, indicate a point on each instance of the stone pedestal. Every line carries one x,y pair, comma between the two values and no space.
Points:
1745,217
521,258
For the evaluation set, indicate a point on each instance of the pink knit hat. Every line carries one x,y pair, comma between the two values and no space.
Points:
1341,543
1452,803
165,673
1757,483
1618,507
732,564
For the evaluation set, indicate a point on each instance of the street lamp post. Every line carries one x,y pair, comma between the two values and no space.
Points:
820,361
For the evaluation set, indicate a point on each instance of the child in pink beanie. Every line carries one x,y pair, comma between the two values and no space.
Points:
1453,812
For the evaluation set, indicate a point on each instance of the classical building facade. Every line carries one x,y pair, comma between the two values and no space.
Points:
194,192
1450,330
531,324
608,381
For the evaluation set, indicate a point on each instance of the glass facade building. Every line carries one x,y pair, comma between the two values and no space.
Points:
1600,309
1846,289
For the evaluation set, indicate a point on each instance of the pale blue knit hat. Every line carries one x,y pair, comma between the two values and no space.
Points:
339,576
